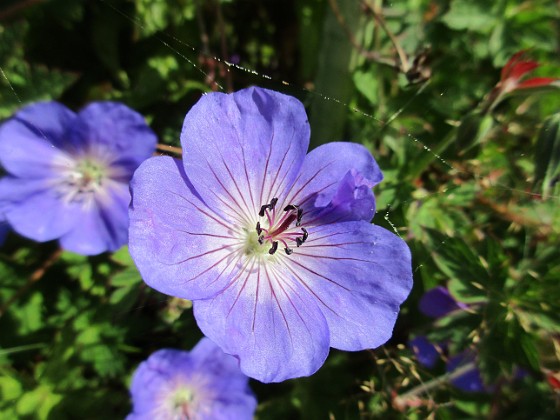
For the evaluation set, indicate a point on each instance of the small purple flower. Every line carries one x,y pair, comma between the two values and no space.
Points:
204,383
275,247
470,378
67,174
438,302
426,352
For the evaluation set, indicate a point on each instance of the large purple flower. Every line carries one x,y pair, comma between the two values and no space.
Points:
68,173
274,247
204,383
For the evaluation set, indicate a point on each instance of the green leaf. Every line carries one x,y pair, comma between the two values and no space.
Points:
468,277
38,402
366,82
473,130
10,388
547,154
470,15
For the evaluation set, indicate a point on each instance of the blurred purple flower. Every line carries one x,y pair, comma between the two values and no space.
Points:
426,352
274,247
67,174
470,380
4,229
438,302
204,383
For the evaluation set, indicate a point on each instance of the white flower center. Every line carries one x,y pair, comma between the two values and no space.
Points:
81,179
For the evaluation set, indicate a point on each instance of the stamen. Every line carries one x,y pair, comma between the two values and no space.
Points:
299,216
270,206
280,227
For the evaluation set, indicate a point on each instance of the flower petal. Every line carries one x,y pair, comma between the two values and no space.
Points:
426,352
471,379
115,131
103,226
269,322
34,210
208,357
244,148
30,141
336,182
438,302
359,274
180,247
4,229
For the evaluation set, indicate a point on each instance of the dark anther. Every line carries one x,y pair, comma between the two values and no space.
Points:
268,206
288,250
290,207
300,241
274,247
259,229
261,239
299,216
305,235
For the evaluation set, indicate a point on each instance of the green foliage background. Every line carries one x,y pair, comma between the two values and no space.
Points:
472,188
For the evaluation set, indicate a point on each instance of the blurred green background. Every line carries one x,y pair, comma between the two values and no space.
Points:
471,167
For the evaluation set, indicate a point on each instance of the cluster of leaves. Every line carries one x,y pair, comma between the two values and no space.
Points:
471,182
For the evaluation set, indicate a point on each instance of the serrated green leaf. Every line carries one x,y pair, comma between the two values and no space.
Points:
468,277
125,278
122,256
38,402
124,298
10,388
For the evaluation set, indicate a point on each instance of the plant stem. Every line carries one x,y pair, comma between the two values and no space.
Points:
170,149
402,401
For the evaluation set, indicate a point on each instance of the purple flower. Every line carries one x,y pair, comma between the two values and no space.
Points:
4,229
438,302
204,383
426,352
466,375
274,247
67,174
